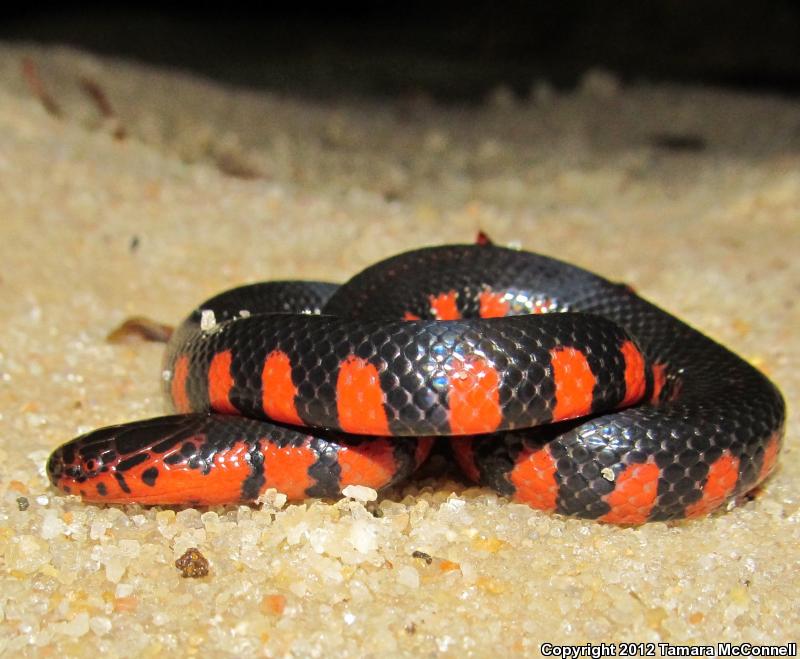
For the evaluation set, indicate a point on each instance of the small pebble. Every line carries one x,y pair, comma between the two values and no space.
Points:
208,320
425,557
408,576
192,564
360,493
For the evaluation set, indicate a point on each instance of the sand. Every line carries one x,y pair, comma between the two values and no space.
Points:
691,195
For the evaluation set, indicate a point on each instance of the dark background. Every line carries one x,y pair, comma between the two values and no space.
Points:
451,51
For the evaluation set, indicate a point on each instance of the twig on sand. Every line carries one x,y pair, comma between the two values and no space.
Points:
95,92
31,74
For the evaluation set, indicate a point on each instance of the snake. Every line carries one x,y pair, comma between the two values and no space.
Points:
552,385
